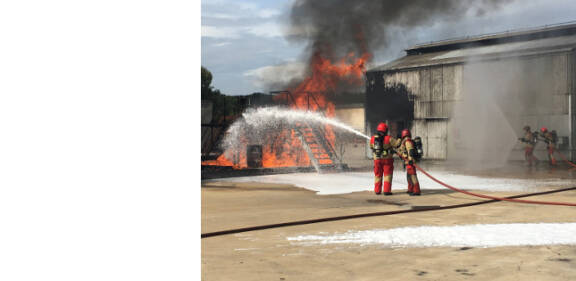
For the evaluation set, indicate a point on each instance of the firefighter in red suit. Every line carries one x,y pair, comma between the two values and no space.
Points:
529,140
550,140
407,152
382,152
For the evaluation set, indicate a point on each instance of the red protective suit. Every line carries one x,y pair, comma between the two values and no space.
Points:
551,145
405,149
381,146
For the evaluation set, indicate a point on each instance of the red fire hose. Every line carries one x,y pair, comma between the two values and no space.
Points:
566,160
493,197
487,196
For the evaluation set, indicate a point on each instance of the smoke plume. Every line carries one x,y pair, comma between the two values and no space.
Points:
335,28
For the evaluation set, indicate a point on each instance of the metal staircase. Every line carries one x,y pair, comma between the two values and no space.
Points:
320,151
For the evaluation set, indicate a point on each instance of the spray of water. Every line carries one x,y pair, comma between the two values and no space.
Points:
257,126
274,115
500,97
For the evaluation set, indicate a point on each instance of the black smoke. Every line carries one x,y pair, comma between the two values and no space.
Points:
334,28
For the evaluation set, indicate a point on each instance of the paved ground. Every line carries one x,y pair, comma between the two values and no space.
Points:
268,255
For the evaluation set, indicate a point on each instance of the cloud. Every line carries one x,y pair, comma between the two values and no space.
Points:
233,10
228,19
220,44
224,16
219,32
268,13
269,29
270,76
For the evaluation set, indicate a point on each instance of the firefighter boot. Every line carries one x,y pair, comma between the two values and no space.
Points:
416,190
387,188
378,186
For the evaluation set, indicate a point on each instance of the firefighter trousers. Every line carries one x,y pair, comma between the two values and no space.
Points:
413,184
383,169
529,155
551,157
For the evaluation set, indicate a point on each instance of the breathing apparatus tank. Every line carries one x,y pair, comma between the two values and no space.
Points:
378,144
418,148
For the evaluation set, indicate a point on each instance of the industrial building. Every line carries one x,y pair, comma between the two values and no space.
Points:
485,88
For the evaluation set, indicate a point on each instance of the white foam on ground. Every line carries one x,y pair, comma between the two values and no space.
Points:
347,182
478,235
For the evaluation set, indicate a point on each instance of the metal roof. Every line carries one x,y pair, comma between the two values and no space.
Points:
508,36
487,47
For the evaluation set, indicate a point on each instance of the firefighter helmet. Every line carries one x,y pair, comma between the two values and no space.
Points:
382,127
544,130
405,133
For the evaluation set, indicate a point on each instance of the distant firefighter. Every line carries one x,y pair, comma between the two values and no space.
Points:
409,153
550,138
529,141
382,151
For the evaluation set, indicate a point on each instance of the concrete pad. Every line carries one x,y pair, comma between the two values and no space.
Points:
271,255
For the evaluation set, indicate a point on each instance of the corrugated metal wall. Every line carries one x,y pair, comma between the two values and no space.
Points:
436,90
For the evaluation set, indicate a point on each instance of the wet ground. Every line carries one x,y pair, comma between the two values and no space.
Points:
275,254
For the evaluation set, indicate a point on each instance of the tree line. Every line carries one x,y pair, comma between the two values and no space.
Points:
224,106
227,107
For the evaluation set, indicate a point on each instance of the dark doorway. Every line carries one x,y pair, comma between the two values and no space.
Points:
391,103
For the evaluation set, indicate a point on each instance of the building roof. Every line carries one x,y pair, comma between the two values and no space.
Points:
558,38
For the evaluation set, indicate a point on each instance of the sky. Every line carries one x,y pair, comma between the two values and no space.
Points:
243,42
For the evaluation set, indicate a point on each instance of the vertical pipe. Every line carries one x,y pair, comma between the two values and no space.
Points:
569,89
571,76
570,124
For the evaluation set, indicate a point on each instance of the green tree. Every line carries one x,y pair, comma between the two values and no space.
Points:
207,91
223,105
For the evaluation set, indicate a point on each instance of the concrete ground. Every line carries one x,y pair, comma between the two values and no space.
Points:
268,255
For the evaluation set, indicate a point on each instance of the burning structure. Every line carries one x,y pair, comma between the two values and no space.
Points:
469,98
278,137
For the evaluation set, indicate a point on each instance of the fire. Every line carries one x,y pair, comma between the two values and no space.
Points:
285,149
290,154
220,161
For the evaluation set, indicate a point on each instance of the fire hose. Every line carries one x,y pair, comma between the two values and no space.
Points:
483,195
364,215
566,160
492,199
